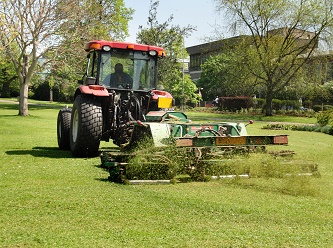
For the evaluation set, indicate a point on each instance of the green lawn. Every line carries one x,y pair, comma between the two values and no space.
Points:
198,116
49,199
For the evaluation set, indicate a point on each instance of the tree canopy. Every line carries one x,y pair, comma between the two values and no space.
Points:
49,29
171,38
221,76
8,77
283,35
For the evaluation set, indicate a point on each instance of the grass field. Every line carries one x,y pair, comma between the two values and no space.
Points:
50,199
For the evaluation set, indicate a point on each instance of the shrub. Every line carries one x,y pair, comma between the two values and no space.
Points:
324,117
308,104
327,129
260,103
328,107
317,108
236,103
42,92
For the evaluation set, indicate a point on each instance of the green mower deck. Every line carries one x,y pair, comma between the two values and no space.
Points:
167,139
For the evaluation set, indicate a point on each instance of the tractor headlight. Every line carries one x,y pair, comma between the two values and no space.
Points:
152,53
106,48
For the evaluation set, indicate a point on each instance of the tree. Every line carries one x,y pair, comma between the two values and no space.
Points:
171,38
221,76
92,19
28,31
8,77
279,45
34,29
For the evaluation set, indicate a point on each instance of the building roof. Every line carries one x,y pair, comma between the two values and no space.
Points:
214,45
298,34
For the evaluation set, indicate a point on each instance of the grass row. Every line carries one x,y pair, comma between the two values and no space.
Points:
50,199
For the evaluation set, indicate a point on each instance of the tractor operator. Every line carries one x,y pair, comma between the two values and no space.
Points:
119,79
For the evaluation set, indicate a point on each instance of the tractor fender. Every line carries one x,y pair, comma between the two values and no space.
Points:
160,93
95,90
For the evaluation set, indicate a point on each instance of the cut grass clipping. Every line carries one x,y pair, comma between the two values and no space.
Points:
173,162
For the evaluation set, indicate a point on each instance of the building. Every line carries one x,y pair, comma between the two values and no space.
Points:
200,53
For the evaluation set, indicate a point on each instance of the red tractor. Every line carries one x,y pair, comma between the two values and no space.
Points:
118,89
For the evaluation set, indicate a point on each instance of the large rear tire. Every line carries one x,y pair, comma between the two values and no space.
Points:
63,128
86,126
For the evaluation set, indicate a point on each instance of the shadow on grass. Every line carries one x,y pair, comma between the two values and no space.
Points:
105,180
47,152
9,106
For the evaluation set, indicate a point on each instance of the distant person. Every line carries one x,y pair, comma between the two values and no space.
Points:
216,101
119,79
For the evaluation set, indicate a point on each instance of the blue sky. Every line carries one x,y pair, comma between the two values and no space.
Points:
199,13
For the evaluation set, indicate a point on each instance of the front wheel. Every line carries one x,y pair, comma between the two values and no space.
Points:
86,126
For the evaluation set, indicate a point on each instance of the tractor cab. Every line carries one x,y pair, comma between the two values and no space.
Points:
119,65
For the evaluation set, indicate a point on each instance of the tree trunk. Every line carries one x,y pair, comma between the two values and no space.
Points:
24,88
23,103
269,100
51,95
